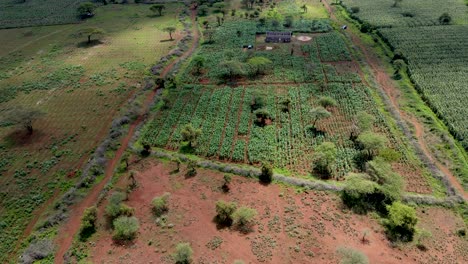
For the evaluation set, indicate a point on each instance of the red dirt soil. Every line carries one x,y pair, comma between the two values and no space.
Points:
291,228
71,227
388,86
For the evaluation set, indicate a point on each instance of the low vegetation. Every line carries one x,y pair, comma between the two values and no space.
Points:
125,228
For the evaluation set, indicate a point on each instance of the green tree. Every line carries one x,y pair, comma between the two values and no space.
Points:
226,180
266,176
360,192
88,223
231,69
90,32
318,113
159,204
260,64
351,256
262,116
158,8
396,2
86,8
202,10
170,30
244,218
401,222
224,211
183,253
372,142
361,122
198,63
24,117
326,102
325,157
445,19
125,228
190,134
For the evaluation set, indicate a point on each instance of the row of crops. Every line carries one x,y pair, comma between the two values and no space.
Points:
229,131
439,68
14,13
414,13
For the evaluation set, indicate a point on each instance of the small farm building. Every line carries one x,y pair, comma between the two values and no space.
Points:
284,37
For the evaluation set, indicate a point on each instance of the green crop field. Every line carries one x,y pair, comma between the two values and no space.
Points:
437,55
412,13
14,13
320,67
80,89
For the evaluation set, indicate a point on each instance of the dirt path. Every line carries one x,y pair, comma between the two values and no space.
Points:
386,83
70,228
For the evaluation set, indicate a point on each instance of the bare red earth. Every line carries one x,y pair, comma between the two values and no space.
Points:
71,227
290,227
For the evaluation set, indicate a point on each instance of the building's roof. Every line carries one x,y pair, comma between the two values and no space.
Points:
272,34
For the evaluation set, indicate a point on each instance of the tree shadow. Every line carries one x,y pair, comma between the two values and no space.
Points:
167,40
222,224
22,137
92,43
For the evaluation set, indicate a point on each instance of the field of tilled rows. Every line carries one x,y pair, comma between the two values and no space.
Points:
439,67
229,132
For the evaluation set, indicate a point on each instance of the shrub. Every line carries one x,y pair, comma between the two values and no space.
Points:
266,175
160,204
224,212
401,222
88,223
244,218
37,250
116,208
351,256
191,168
183,254
125,228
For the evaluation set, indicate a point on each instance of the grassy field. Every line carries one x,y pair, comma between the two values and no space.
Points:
436,65
80,88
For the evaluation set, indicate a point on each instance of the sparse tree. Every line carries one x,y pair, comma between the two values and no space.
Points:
361,122
88,223
224,212
445,19
191,169
244,218
396,2
351,256
318,113
158,8
24,117
198,63
260,64
190,134
170,30
231,69
86,9
267,174
226,180
325,157
326,102
401,222
90,32
125,228
183,253
372,142
423,235
159,204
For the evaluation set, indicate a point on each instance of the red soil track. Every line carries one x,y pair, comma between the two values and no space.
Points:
70,228
387,85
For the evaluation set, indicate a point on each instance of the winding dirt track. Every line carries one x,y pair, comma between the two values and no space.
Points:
72,226
387,85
